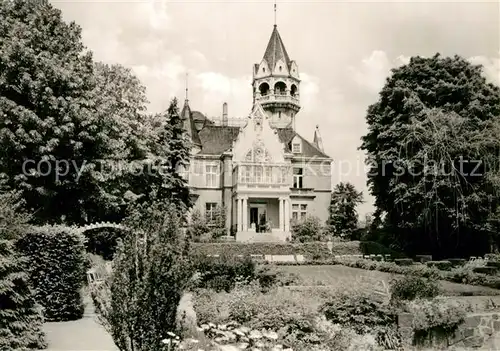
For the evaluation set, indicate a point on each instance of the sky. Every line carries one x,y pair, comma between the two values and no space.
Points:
344,51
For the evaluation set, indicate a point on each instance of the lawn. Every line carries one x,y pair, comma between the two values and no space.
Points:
342,277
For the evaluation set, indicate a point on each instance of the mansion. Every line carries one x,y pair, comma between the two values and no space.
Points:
259,169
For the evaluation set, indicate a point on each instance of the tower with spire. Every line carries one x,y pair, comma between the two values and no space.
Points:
276,83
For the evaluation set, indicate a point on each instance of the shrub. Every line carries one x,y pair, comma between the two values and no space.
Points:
495,264
57,270
441,265
423,258
309,250
222,273
457,262
412,287
358,312
138,305
374,248
20,316
307,230
403,261
434,318
486,270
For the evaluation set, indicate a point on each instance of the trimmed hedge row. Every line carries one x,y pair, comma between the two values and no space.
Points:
313,250
56,257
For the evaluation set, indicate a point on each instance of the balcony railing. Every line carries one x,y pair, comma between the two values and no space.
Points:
277,98
258,174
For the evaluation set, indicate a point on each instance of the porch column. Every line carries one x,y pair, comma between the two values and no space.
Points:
281,214
245,213
287,215
238,214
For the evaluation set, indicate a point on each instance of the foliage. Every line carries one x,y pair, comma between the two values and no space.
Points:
150,272
310,250
412,287
49,111
462,275
442,265
20,316
103,241
222,273
307,230
198,229
432,316
218,226
359,312
431,147
343,219
76,137
56,269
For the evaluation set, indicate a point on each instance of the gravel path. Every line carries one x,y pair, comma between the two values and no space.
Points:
81,335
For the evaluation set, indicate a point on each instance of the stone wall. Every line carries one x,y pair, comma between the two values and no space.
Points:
478,331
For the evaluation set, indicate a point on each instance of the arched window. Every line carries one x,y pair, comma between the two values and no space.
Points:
280,88
293,90
264,89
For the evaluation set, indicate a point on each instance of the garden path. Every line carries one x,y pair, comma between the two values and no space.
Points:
82,335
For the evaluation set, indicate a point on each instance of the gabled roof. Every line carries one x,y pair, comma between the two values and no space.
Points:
217,139
276,51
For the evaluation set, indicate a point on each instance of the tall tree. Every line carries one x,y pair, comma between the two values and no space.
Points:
20,316
432,148
343,219
50,133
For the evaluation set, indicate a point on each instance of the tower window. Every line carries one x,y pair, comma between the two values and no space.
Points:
263,69
280,68
279,114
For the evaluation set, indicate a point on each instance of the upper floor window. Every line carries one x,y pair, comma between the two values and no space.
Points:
299,211
210,211
297,177
296,148
211,175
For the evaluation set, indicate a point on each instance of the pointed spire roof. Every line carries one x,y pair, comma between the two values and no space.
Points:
276,51
188,121
318,142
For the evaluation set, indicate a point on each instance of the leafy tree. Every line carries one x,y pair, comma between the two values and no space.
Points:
138,304
343,219
20,316
432,148
47,102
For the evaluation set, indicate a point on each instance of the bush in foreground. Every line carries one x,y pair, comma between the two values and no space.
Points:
20,316
151,270
57,270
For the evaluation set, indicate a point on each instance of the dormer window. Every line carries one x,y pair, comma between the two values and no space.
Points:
296,147
263,69
280,68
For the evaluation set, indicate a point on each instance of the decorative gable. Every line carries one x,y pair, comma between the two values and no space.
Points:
281,68
258,141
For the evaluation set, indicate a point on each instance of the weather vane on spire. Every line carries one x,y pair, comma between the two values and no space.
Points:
275,13
187,74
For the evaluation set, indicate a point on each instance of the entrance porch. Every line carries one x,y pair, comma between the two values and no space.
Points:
261,219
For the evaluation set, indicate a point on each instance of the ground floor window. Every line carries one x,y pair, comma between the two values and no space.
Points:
299,211
210,211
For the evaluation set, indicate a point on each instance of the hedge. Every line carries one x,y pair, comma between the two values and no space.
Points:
313,250
57,270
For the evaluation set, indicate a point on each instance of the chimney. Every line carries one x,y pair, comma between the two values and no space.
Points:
224,114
